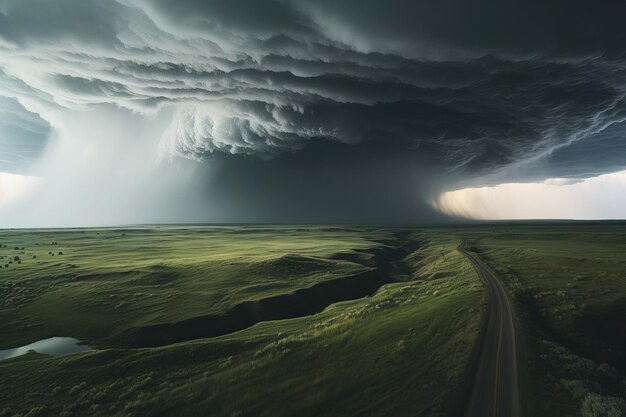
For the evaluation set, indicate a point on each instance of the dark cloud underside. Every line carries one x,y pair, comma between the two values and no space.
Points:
447,89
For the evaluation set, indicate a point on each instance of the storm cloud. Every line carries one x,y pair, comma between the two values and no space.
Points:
23,136
450,93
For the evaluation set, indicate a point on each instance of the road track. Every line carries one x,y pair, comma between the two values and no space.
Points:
495,389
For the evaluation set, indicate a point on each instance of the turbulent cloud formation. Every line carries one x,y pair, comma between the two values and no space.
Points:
22,136
453,92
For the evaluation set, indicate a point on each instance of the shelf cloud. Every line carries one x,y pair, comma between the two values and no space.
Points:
455,95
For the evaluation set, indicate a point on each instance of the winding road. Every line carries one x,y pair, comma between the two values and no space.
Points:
495,390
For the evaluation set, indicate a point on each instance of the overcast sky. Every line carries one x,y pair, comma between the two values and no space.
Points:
140,111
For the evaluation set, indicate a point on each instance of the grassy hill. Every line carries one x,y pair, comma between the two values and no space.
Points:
407,349
318,321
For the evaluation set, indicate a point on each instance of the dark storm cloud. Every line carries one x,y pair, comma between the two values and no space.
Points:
557,28
327,182
471,87
37,22
591,156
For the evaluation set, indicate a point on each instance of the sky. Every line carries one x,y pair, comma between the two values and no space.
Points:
292,111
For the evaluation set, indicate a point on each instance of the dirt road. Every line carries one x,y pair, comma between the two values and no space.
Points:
495,391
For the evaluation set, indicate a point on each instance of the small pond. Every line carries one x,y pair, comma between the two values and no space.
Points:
55,346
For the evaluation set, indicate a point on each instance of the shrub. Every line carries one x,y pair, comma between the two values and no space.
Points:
35,411
608,371
595,405
575,387
76,388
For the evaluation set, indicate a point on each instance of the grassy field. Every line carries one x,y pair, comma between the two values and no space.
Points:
569,287
405,350
67,281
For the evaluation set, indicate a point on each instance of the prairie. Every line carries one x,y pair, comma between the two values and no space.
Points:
314,320
404,349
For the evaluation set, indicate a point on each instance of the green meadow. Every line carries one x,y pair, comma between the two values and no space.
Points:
568,283
406,348
94,283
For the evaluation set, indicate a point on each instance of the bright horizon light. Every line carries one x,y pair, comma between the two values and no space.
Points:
14,187
597,198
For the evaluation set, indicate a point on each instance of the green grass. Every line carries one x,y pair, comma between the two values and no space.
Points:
569,286
138,276
406,350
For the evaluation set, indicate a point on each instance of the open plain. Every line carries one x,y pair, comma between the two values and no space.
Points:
315,320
